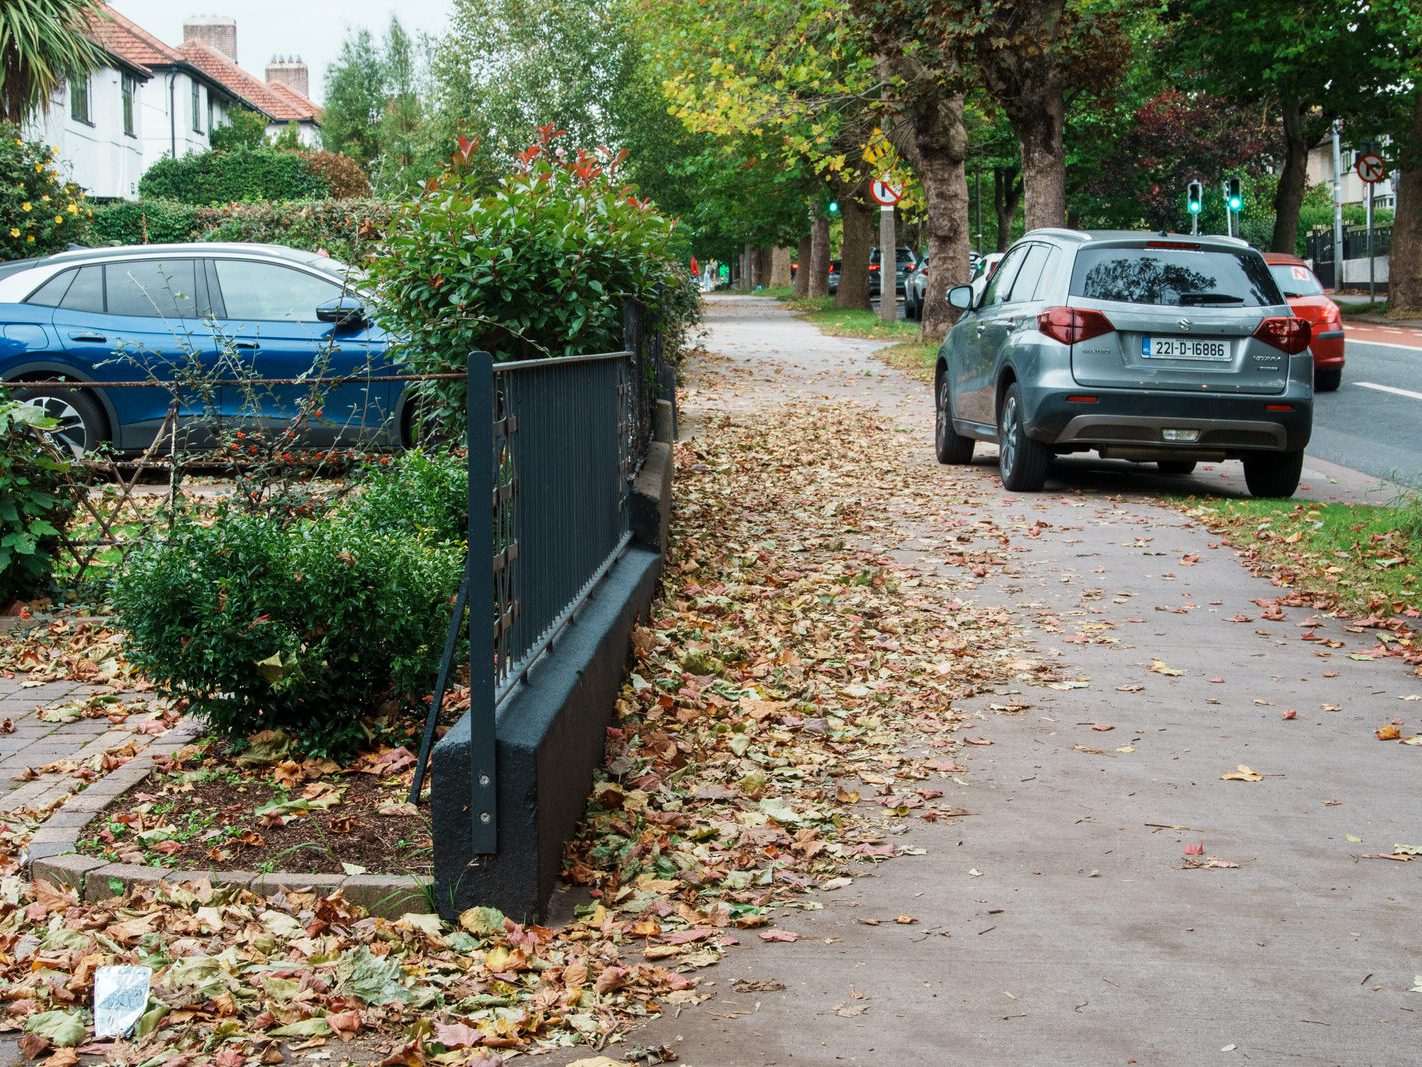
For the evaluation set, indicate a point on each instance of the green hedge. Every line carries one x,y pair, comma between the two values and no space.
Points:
243,175
137,222
346,229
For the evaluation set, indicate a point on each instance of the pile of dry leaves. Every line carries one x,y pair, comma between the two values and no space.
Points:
792,701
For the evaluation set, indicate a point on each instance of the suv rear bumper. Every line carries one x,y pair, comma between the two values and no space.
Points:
1228,424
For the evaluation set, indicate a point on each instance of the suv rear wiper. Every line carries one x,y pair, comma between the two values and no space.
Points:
1210,298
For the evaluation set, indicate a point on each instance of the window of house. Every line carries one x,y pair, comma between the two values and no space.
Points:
79,100
127,87
197,114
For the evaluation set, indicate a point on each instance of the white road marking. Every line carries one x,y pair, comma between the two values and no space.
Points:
1390,389
1385,344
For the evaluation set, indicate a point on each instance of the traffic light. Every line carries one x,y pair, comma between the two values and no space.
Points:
1195,196
1234,196
834,207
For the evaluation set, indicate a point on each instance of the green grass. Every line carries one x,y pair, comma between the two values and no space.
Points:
913,357
1364,557
851,322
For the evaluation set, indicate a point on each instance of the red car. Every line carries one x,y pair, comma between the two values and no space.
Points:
1306,297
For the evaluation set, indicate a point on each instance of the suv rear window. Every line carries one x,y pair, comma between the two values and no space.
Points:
1174,277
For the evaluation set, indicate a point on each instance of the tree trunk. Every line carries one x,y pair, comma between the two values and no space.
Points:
764,266
939,161
1292,181
1404,286
1039,130
780,268
802,274
819,257
1006,195
1026,81
854,252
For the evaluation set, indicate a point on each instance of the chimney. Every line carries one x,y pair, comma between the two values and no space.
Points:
290,71
215,31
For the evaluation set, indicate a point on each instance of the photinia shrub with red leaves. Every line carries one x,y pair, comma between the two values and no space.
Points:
537,268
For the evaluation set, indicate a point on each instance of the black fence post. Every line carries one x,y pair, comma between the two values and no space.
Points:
483,482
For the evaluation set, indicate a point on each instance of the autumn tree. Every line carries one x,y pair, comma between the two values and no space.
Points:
1311,62
788,82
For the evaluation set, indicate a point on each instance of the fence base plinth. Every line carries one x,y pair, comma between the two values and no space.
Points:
550,739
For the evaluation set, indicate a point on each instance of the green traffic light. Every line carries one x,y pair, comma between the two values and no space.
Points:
834,207
1194,196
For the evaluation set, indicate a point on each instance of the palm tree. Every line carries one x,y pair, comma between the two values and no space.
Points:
42,42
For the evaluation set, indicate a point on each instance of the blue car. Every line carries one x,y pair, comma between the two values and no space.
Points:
189,313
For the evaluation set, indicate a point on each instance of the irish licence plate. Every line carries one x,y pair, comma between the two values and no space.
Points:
1183,348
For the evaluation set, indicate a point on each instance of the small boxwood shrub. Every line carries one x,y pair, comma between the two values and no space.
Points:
319,628
243,175
36,501
139,222
426,496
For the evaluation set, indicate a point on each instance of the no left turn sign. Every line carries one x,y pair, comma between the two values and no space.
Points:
885,194
1370,167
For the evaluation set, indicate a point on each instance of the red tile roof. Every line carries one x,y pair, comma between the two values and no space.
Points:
301,103
280,103
128,41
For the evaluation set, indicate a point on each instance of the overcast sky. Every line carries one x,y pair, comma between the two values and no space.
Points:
312,29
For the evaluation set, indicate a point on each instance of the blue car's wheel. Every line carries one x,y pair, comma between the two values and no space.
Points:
80,425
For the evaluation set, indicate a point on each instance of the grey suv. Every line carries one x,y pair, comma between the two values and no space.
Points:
1155,348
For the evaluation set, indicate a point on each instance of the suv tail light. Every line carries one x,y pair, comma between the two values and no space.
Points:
1290,334
1070,325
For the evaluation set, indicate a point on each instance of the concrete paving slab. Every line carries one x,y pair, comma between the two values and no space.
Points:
1061,923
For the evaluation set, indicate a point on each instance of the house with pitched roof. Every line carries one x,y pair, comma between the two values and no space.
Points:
151,100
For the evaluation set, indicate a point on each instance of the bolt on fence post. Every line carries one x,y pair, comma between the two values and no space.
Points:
483,785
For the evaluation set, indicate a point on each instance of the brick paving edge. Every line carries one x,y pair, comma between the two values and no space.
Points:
54,857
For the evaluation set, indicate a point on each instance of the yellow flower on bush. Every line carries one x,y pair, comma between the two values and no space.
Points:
73,208
44,199
14,231
30,239
59,218
26,206
39,167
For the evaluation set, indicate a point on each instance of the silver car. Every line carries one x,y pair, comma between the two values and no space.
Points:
1156,348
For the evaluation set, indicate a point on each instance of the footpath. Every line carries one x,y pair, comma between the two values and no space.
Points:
1108,896
1161,832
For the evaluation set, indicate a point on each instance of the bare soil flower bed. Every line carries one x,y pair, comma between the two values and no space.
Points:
213,808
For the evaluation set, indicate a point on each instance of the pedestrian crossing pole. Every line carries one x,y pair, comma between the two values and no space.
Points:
888,265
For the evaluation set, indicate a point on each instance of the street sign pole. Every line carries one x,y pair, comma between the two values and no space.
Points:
888,265
1337,208
1372,268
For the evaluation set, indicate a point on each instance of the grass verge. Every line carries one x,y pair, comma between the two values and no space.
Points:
912,357
851,322
1361,558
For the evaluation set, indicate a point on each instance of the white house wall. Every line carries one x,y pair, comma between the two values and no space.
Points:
165,137
100,157
307,133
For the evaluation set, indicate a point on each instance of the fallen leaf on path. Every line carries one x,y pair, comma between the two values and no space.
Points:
779,935
1390,732
1290,714
850,1010
1244,773
1212,863
1159,667
1196,849
1102,726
